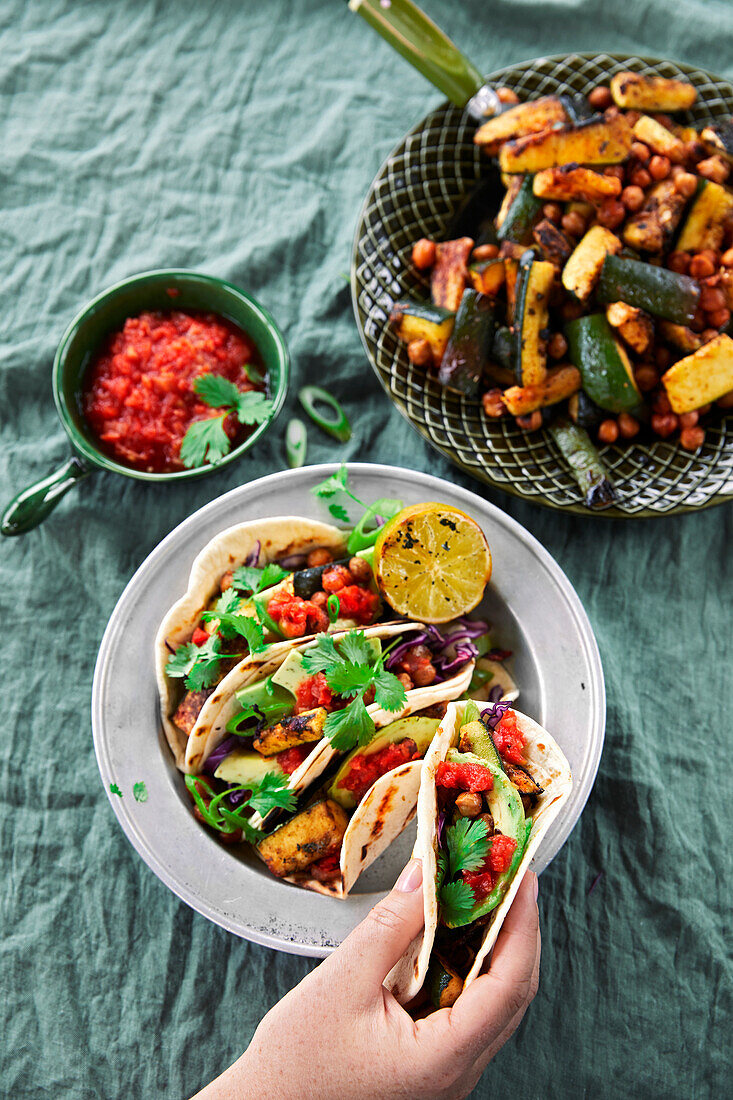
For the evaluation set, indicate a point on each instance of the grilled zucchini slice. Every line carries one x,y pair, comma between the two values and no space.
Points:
558,384
592,142
632,325
488,276
680,336
701,377
705,225
651,229
608,377
572,183
659,139
586,464
658,291
450,272
583,269
469,345
554,245
531,316
522,213
651,93
419,321
525,118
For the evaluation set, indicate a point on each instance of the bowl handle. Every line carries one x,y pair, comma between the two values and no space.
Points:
31,506
411,33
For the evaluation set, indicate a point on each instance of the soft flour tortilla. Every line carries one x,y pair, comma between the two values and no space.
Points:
278,537
549,767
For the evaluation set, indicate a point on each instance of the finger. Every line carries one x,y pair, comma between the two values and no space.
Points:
492,1003
368,954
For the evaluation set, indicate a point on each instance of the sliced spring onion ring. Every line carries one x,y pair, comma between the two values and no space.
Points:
339,427
296,443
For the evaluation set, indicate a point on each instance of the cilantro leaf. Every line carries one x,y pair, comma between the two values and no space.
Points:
272,792
356,647
321,656
243,626
272,574
388,691
468,845
182,661
456,902
204,669
205,441
216,391
339,512
349,679
114,789
350,726
251,579
228,601
336,483
140,792
252,407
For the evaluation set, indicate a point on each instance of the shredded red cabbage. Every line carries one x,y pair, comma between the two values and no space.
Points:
254,556
449,651
495,694
293,561
219,753
493,713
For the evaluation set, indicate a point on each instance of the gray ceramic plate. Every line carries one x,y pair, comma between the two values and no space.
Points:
535,612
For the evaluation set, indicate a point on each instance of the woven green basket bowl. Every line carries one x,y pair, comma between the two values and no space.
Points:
415,194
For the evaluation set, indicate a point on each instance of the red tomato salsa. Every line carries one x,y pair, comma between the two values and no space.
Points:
498,860
138,396
464,777
366,769
509,739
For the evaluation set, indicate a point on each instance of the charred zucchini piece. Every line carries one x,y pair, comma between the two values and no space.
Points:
554,245
679,336
488,276
525,118
444,983
573,183
297,729
586,464
502,348
651,229
521,215
558,384
511,273
608,377
633,325
660,292
651,93
450,272
583,269
701,377
592,142
531,316
719,138
512,185
522,780
476,737
659,139
470,343
306,837
705,223
418,321
584,412
308,581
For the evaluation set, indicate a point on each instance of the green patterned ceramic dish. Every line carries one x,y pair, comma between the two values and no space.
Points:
416,194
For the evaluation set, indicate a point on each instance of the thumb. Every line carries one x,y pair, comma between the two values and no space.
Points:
367,955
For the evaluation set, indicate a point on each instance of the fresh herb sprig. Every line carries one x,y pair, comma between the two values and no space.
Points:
352,669
270,793
335,488
198,664
206,440
251,579
466,847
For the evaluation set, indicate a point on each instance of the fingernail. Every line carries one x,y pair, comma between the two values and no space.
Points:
536,887
410,878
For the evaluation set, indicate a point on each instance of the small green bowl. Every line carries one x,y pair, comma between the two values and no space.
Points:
107,312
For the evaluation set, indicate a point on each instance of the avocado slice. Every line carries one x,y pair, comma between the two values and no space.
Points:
420,730
246,766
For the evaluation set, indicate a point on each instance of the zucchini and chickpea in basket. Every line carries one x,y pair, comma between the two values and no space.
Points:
597,302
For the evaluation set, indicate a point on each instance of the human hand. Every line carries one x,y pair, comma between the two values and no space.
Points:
340,1033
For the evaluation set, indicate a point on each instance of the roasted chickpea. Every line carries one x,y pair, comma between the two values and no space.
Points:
557,346
659,167
423,254
727,258
664,424
640,151
611,213
419,353
531,422
574,224
608,431
646,377
708,334
360,570
640,178
661,404
611,113
694,150
493,403
690,419
692,438
628,425
600,97
720,318
552,211
679,262
632,197
615,171
405,680
712,298
320,556
485,252
226,580
714,168
320,599
335,578
685,183
701,267
469,804
662,358
507,95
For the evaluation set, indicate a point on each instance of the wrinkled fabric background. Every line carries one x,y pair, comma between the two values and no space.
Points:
240,138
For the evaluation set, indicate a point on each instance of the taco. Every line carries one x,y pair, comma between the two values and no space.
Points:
492,783
279,573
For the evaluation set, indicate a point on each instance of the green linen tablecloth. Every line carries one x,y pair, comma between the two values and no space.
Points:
239,138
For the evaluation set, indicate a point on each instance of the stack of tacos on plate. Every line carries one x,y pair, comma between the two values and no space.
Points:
492,782
246,709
